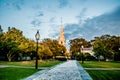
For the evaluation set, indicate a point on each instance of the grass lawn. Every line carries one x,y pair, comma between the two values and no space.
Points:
31,63
103,74
10,73
15,73
96,64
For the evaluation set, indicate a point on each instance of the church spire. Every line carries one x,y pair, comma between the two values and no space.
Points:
62,38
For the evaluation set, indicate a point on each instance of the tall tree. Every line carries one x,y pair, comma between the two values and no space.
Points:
76,44
107,46
10,49
55,47
15,37
44,51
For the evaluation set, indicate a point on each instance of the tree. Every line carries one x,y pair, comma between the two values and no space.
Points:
10,49
99,49
15,37
76,44
88,57
54,47
44,51
106,46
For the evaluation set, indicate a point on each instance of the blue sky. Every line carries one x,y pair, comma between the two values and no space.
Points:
81,18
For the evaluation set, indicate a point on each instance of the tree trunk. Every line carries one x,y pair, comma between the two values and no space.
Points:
10,56
40,58
99,58
9,59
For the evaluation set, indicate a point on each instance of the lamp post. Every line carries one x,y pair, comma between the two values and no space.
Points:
62,52
82,47
118,42
37,36
71,54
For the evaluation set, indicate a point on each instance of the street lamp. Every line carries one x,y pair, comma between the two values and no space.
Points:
82,47
37,36
71,52
62,53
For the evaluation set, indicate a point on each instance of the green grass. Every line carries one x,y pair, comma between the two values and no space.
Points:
103,74
31,63
96,64
15,73
10,73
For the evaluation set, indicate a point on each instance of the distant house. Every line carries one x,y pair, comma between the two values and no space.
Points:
88,50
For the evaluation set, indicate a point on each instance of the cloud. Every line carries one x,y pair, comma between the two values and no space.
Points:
82,15
63,3
40,13
37,18
72,31
36,6
36,22
108,23
18,7
52,20
12,4
83,1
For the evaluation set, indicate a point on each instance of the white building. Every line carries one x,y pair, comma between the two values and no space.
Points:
88,50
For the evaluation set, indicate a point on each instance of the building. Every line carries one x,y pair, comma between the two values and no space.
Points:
62,40
88,50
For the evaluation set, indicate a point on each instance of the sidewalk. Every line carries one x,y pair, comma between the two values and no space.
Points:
70,70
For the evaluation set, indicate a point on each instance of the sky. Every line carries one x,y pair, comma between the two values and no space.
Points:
80,18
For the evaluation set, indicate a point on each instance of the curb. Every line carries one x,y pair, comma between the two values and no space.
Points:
84,74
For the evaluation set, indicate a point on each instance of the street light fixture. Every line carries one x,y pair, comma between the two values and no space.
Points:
82,47
37,36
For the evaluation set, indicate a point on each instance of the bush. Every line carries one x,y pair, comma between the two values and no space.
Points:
89,57
61,58
117,56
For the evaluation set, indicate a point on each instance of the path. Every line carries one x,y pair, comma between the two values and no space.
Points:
70,70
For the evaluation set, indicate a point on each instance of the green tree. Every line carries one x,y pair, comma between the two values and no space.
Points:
44,51
10,49
76,44
55,47
99,48
106,46
14,35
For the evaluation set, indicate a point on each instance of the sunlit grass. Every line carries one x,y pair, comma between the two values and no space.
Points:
10,73
96,64
31,63
103,74
15,73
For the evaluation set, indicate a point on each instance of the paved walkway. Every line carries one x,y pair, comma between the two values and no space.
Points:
70,70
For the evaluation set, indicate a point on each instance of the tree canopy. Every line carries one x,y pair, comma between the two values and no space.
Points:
106,46
13,45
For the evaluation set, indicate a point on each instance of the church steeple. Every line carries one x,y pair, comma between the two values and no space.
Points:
62,38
